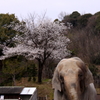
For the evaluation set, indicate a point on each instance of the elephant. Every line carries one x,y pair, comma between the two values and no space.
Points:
72,80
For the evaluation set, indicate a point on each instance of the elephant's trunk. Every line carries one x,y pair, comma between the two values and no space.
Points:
72,90
73,94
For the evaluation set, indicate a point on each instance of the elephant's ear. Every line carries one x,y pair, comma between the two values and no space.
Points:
88,78
55,81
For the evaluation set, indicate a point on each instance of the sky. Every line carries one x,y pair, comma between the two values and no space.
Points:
52,8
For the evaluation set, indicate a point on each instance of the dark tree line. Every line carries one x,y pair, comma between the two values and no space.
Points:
84,34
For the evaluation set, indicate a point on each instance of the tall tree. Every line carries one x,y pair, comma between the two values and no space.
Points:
7,33
72,19
41,40
83,20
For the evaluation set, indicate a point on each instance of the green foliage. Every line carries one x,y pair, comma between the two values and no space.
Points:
77,20
13,66
56,20
6,19
83,20
32,71
7,82
93,69
72,18
96,59
46,80
75,15
6,34
97,26
97,13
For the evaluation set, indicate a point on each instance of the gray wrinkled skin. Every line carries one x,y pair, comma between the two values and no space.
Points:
72,80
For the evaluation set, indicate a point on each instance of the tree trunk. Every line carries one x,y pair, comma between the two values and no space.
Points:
14,81
40,69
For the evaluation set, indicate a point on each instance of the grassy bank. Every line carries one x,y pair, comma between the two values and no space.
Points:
44,89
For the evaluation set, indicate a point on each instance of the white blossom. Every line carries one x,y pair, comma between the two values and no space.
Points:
39,40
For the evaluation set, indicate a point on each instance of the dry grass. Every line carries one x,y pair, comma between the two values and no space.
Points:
98,90
44,89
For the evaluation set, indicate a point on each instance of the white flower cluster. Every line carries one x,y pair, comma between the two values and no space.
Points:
40,40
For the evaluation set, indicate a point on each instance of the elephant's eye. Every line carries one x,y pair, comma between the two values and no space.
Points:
80,74
61,79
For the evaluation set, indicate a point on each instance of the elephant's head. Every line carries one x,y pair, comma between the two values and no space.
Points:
71,78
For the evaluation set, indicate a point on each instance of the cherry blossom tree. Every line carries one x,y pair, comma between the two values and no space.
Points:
41,40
